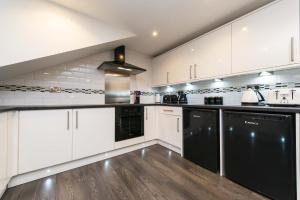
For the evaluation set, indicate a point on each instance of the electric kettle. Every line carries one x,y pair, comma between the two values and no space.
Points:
252,96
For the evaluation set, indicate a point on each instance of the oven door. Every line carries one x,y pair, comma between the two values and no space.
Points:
129,124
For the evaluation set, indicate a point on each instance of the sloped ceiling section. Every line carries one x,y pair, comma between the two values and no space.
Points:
176,21
38,33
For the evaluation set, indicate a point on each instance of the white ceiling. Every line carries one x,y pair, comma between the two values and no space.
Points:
176,21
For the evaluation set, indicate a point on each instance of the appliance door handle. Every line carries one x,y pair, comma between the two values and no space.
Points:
68,120
77,119
177,125
191,71
195,71
292,49
165,110
146,113
167,77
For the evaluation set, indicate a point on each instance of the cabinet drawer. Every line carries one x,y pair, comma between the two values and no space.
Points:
170,110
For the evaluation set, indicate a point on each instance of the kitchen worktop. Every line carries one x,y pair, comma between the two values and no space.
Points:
224,107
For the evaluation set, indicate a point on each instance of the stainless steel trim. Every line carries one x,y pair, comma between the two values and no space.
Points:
77,119
222,163
191,71
195,71
196,116
177,125
292,50
68,120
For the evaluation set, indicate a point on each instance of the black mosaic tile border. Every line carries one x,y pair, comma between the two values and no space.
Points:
24,88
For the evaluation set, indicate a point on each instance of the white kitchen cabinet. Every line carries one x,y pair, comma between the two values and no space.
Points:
150,123
45,138
266,38
179,65
12,143
213,54
3,152
170,125
160,70
94,131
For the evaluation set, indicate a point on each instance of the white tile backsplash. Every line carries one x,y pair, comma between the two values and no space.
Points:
82,74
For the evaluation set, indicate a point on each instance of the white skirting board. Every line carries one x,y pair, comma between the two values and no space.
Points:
171,147
31,176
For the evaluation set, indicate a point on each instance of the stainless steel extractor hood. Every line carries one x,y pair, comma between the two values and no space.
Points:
119,65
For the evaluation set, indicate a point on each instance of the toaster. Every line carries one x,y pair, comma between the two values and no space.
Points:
284,97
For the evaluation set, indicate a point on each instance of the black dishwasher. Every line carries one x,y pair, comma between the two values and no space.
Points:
260,152
201,137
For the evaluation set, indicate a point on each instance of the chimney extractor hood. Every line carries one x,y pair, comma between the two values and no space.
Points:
119,65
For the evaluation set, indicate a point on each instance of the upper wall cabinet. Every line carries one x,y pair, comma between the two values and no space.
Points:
160,70
212,54
267,38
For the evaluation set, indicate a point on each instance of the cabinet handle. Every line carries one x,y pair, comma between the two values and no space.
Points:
191,71
195,71
146,113
177,125
292,49
68,120
167,110
76,119
167,77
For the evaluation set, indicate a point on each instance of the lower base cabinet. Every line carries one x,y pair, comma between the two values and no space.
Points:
94,131
150,125
3,151
45,139
170,125
51,137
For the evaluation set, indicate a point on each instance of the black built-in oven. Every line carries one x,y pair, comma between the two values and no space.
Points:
129,122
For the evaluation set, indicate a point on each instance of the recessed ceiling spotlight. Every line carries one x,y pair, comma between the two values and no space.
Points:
154,33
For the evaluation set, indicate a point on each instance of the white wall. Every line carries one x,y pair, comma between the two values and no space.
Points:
82,74
32,29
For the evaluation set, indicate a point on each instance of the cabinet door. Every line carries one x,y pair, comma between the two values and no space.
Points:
13,143
45,139
213,53
150,123
171,129
160,70
3,151
94,131
179,65
266,38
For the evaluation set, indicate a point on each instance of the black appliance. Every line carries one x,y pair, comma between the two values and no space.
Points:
137,95
201,137
260,152
213,100
129,122
119,65
182,99
170,99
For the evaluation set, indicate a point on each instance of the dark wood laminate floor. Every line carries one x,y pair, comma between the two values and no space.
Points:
154,173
